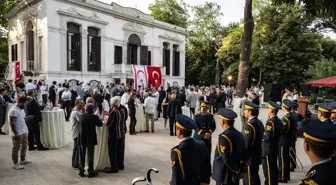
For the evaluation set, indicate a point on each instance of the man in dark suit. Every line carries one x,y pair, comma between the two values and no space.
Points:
52,93
3,106
253,134
189,159
33,119
229,160
174,108
88,139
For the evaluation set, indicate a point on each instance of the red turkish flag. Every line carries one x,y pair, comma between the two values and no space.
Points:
154,76
17,70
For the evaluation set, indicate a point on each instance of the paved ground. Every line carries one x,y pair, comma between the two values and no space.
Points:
143,151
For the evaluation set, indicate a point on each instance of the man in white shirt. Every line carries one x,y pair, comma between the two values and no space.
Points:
19,133
150,108
66,105
30,85
125,97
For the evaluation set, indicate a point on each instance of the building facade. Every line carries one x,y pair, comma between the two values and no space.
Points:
87,40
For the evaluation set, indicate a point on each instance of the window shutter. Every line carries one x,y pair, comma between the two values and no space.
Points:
167,61
177,63
149,58
128,53
99,53
144,55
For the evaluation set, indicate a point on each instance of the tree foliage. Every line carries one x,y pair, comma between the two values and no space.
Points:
170,11
322,69
204,39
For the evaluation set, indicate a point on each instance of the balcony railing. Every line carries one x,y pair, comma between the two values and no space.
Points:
127,69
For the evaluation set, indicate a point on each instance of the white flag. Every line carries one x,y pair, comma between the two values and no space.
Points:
139,76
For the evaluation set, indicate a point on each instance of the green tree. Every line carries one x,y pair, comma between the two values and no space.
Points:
204,39
170,11
322,69
328,47
5,6
284,46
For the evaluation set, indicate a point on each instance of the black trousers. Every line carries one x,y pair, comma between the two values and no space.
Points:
2,120
159,109
283,160
292,159
270,168
44,98
133,122
34,136
251,177
192,112
116,147
82,155
66,106
52,100
75,153
172,125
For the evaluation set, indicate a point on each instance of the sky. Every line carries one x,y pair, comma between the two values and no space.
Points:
233,10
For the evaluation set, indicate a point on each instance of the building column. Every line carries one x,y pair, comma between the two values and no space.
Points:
63,51
84,51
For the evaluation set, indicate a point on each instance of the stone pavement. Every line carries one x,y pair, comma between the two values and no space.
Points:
142,152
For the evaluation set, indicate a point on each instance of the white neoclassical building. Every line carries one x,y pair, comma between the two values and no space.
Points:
89,40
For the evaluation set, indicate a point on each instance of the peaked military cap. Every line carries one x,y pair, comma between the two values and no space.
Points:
250,106
204,104
333,106
227,114
185,123
273,105
324,108
287,103
314,130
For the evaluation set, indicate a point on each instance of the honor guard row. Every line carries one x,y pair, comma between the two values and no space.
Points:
324,113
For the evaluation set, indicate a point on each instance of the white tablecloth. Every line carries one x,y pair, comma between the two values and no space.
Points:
140,117
186,111
53,129
6,125
101,157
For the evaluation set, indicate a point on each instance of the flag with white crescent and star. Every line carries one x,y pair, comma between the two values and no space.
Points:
139,76
154,76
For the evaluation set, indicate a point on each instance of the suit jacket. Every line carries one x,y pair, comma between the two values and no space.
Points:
33,109
174,108
87,129
190,163
229,160
253,134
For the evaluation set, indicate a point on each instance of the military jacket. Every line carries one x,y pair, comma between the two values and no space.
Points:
328,121
289,128
323,173
253,135
229,157
205,124
271,136
190,163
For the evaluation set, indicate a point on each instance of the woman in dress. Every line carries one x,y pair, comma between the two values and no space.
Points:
165,108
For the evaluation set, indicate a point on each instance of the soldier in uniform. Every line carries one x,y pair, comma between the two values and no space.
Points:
324,113
318,145
297,118
253,134
206,125
333,112
190,161
286,140
229,160
270,144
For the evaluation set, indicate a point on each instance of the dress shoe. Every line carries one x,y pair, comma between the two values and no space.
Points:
32,148
147,131
43,149
133,133
111,171
25,162
2,133
93,174
121,167
81,174
283,181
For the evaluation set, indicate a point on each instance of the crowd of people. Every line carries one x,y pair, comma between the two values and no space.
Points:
238,154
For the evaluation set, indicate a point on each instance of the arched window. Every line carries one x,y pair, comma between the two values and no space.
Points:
132,49
74,61
93,49
30,46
